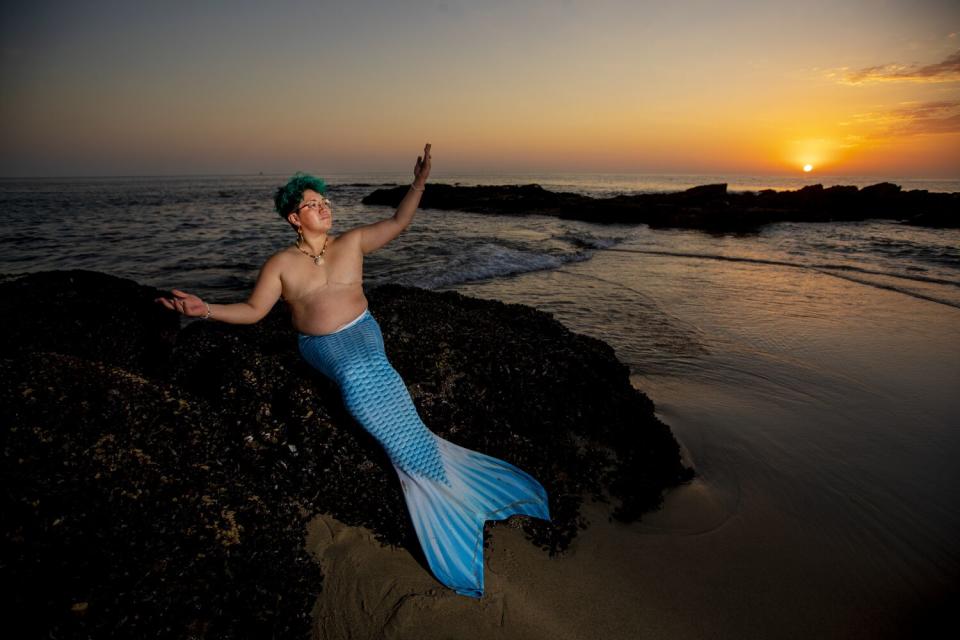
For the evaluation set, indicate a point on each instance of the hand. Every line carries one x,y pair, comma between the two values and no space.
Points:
422,169
185,303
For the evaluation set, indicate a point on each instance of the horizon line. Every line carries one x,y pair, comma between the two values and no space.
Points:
487,172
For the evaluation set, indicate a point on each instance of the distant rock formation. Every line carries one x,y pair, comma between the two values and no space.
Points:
159,478
708,207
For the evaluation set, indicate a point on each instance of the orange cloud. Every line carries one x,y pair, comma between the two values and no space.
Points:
930,117
913,119
946,71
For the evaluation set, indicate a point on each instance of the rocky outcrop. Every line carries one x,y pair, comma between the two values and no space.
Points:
157,480
707,207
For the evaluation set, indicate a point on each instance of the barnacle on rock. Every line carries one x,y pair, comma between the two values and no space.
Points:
163,478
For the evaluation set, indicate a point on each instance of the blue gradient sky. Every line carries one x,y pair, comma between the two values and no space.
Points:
132,88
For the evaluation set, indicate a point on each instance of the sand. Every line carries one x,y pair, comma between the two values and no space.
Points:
616,581
698,568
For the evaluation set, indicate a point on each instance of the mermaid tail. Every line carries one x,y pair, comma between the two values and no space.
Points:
450,490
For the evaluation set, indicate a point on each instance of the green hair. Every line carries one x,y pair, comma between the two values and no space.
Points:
289,195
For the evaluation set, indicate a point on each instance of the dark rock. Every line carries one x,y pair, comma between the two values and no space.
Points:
927,209
501,200
881,191
89,315
705,193
708,207
811,190
841,191
129,509
170,499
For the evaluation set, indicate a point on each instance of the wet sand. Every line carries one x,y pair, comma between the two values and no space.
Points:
699,568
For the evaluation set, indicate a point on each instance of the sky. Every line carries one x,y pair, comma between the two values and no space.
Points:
858,87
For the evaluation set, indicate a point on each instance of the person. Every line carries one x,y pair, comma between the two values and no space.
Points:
449,490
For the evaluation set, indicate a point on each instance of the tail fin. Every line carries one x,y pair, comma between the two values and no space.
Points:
448,516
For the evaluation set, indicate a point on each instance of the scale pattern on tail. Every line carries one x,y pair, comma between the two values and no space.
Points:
449,490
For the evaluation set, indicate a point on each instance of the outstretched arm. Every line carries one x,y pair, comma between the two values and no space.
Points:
373,236
265,294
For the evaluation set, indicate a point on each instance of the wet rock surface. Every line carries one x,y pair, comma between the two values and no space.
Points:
708,207
157,480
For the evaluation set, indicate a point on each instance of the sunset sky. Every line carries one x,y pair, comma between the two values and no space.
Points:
144,88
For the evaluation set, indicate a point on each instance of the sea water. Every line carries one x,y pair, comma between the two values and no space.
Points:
810,371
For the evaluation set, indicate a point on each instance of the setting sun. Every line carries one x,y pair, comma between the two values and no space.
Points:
808,168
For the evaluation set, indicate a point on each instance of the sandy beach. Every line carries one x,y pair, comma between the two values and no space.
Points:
709,564
695,570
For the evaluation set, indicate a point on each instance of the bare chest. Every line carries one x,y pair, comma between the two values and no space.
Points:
304,280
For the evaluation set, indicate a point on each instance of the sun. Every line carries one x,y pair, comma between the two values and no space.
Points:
807,168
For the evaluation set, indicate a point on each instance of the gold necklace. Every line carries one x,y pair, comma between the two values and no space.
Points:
317,259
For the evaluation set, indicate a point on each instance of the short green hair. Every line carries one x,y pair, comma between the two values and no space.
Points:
289,195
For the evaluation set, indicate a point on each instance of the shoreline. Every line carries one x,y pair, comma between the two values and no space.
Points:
817,414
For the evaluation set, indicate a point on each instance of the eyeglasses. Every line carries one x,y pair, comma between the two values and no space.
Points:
314,204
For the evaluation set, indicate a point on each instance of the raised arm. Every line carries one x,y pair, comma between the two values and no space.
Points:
265,294
373,236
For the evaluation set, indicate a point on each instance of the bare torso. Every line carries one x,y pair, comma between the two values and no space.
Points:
324,297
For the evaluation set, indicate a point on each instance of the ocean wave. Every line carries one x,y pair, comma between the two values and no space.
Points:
908,250
484,261
587,241
898,289
798,265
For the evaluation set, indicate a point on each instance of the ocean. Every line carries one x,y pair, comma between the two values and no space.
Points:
810,371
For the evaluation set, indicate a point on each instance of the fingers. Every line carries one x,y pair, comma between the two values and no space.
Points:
422,167
166,302
178,304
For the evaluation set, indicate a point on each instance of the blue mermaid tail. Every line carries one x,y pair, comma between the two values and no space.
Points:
449,490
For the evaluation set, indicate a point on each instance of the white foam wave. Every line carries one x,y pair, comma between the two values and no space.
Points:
487,260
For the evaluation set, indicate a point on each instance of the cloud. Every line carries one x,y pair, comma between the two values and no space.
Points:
924,118
929,117
946,71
